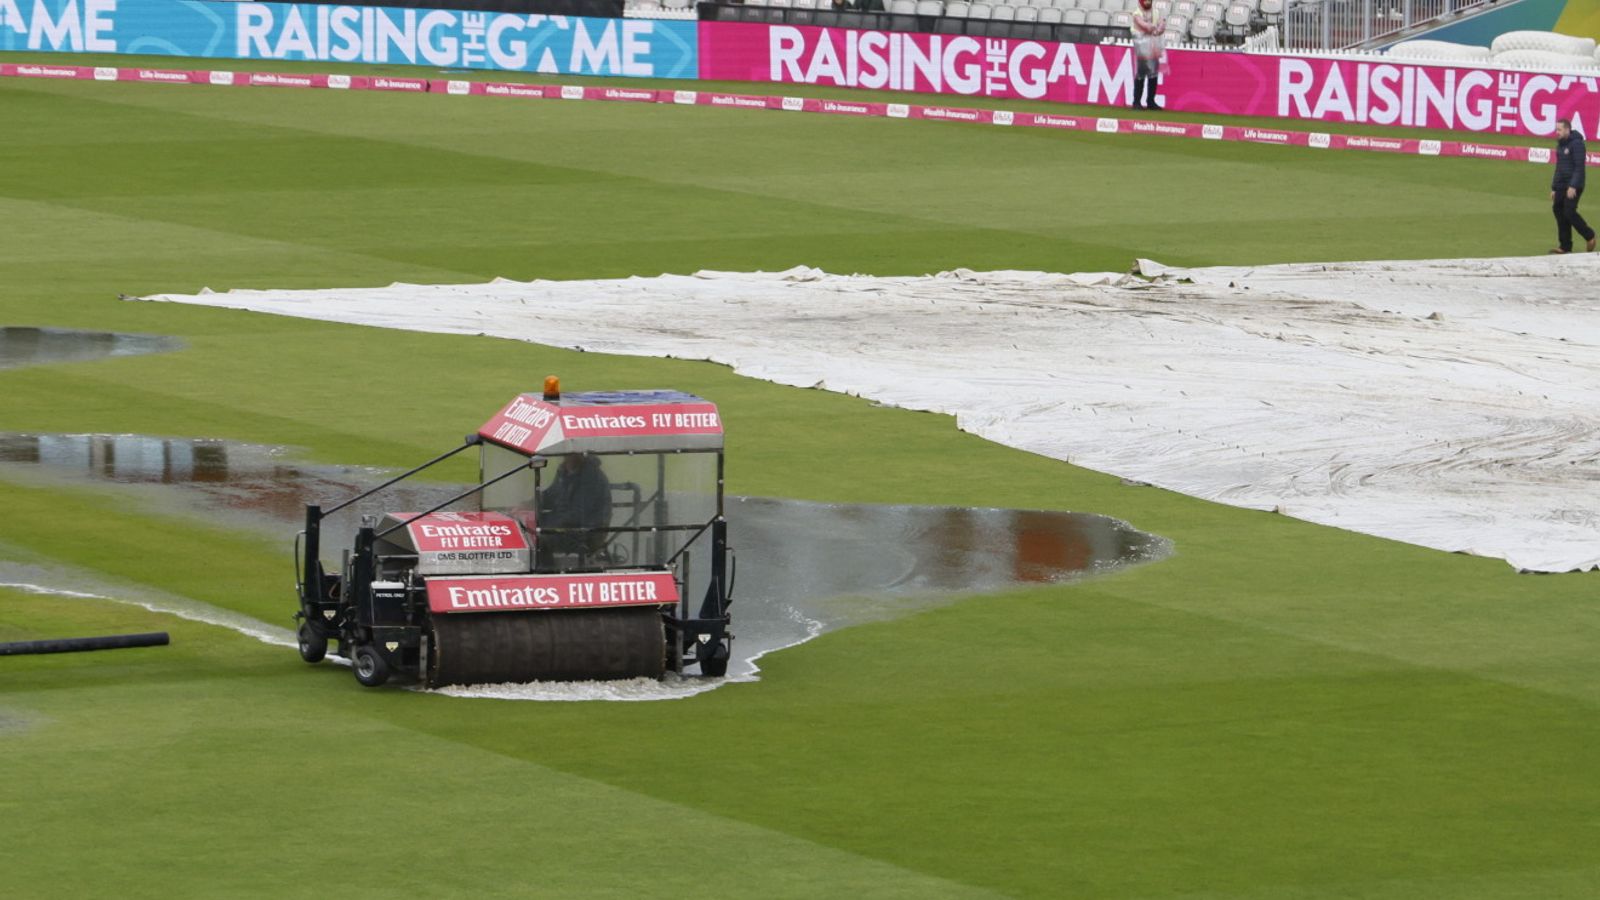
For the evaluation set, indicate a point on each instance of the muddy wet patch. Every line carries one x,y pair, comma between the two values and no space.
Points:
802,568
26,346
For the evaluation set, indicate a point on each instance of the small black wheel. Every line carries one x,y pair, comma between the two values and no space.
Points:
313,646
713,657
369,665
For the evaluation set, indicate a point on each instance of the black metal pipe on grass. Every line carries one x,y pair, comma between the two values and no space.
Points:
74,645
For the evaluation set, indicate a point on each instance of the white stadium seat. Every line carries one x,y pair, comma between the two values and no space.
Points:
1004,13
930,7
1271,7
1548,41
1097,17
1050,16
1122,19
978,11
1237,16
903,7
956,9
1074,17
1027,14
1203,28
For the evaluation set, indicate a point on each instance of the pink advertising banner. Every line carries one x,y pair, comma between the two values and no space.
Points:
1365,91
1318,140
508,592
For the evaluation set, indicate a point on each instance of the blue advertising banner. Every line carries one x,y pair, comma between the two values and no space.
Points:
459,39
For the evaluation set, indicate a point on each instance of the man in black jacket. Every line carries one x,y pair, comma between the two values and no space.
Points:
1567,186
579,499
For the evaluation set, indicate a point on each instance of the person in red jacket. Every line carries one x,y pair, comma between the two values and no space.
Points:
1566,186
1148,26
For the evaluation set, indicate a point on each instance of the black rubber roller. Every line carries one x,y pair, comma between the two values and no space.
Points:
557,645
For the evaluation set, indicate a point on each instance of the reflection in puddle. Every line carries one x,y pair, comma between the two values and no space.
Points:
21,346
802,568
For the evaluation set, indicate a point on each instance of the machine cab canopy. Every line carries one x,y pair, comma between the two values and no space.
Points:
606,422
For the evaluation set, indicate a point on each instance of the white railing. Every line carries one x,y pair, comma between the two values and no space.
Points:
1345,24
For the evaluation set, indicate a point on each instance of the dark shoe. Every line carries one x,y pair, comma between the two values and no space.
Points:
1153,105
1589,246
1558,251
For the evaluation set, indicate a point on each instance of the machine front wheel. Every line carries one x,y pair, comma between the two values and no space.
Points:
713,657
369,665
313,646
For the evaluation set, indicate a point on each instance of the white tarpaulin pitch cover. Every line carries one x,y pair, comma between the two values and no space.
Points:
1453,404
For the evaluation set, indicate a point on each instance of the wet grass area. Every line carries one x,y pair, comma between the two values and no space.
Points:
26,346
801,568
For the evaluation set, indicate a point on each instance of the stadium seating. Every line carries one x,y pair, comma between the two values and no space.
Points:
1545,41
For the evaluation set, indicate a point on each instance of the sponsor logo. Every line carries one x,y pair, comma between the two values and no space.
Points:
945,64
1211,132
1266,137
738,100
513,90
571,92
102,73
1320,140
899,111
448,38
397,84
47,72
1004,117
448,595
338,82
1486,150
958,115
1106,126
794,104
1423,96
272,79
1371,143
854,109
1538,154
1429,148
623,94
1055,121
458,87
159,75
685,96
221,79
1161,128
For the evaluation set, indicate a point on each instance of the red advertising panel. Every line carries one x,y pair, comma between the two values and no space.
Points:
464,531
517,592
522,425
462,543
646,420
1367,91
530,424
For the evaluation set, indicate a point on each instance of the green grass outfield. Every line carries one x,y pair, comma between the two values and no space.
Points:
1280,710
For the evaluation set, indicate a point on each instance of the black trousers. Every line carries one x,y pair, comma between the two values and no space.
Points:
1145,80
1567,217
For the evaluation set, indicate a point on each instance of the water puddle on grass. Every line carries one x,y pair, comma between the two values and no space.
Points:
802,568
26,346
